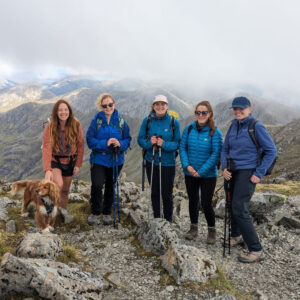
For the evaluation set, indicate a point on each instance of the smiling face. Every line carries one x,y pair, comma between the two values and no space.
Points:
241,114
63,112
108,106
202,118
160,108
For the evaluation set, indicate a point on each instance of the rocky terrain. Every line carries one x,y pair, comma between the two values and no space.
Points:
142,258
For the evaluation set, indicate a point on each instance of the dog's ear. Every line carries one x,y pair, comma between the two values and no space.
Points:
54,192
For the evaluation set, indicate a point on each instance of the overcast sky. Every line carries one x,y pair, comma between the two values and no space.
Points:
205,43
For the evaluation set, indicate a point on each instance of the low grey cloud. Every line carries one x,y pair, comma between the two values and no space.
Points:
204,43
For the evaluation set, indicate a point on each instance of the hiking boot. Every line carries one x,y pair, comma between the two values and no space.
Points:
236,240
192,233
251,257
107,220
93,220
68,218
211,236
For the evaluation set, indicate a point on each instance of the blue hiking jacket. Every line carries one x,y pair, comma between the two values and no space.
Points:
201,151
239,146
160,127
97,140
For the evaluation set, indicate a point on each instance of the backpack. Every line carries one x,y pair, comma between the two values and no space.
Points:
188,133
251,131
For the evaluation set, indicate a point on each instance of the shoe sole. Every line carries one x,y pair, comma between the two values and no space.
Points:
243,260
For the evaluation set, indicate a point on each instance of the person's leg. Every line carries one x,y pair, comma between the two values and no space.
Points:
64,192
242,193
207,191
108,192
207,186
97,178
155,188
192,187
167,182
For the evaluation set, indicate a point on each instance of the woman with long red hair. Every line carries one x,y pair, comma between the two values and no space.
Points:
63,146
200,149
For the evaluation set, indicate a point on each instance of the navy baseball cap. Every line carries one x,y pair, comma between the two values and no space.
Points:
240,102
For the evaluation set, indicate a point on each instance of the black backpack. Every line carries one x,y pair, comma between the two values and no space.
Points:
189,130
251,130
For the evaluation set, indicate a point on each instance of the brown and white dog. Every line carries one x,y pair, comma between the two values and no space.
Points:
45,195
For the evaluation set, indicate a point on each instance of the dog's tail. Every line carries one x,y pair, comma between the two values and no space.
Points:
18,187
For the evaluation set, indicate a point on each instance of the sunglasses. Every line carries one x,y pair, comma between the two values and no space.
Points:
199,112
107,105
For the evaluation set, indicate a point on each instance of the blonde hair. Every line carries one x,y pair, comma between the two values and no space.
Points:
103,97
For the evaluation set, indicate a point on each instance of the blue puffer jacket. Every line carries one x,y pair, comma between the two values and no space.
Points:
160,127
239,146
97,140
201,151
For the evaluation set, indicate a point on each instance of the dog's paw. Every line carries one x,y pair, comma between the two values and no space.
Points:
46,230
51,228
25,215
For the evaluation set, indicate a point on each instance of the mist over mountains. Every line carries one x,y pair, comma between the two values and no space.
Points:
24,108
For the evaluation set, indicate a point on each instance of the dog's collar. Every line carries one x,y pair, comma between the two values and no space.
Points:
49,207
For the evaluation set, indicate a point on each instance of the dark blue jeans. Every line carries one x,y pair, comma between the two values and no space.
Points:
241,222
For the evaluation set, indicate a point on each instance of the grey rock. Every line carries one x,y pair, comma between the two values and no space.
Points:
188,263
37,245
290,222
181,207
47,279
6,202
3,214
74,197
11,226
156,236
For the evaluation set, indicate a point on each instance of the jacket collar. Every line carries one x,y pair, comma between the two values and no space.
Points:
243,122
114,117
153,115
204,128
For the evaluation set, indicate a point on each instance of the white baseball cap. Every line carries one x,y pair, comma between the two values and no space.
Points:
160,98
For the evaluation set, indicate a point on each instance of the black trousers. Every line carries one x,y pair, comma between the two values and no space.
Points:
241,222
101,175
167,182
207,186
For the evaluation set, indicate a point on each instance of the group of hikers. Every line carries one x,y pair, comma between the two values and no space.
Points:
201,151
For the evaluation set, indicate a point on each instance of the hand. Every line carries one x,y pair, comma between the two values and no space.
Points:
160,142
116,143
76,171
254,179
49,175
153,140
191,170
227,175
196,174
110,141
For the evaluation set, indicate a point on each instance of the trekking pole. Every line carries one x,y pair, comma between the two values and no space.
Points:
227,219
114,200
154,148
161,212
143,172
117,180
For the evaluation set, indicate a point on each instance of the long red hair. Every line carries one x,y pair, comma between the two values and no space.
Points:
211,121
71,127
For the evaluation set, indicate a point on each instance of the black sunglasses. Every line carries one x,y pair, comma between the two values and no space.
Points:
107,105
199,112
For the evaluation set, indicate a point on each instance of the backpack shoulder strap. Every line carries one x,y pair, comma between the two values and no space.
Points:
121,124
173,127
251,130
99,123
148,126
190,129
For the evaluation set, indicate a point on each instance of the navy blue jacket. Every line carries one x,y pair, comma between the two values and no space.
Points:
97,139
160,127
239,146
201,151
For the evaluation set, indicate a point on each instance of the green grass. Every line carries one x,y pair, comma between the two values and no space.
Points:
288,188
71,254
